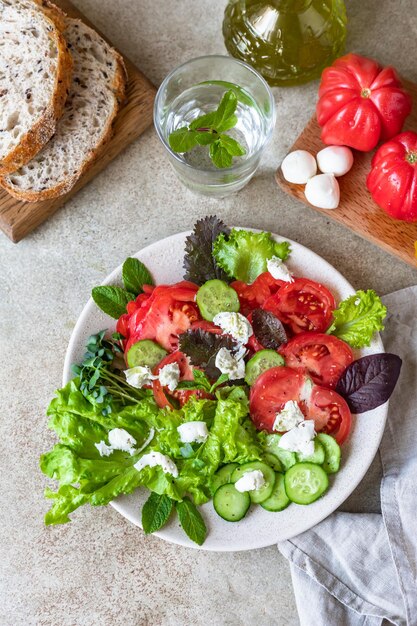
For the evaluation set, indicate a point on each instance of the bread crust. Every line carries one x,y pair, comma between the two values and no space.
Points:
39,135
119,91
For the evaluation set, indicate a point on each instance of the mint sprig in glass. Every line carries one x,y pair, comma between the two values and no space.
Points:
210,130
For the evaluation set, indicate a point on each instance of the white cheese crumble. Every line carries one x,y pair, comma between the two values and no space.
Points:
103,448
169,376
139,376
289,417
156,458
234,324
300,438
191,432
250,481
279,270
231,364
119,439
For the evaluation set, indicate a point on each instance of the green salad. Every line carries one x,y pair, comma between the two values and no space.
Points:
233,385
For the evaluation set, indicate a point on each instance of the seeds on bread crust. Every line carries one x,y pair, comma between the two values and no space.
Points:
96,92
35,75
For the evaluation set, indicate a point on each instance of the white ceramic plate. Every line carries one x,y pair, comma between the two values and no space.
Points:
259,528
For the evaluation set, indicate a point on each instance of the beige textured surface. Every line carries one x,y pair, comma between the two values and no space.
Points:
100,570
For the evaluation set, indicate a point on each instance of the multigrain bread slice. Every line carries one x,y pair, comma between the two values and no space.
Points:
35,76
96,93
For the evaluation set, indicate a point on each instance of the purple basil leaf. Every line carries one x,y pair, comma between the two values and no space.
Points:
199,263
369,381
268,329
202,346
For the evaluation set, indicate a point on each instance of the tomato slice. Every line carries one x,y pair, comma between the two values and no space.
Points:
254,295
271,391
166,312
324,357
166,398
207,326
303,305
330,413
276,386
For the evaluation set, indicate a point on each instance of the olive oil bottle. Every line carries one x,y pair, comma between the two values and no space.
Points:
288,41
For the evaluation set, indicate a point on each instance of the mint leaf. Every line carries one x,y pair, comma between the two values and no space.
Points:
111,300
222,379
357,318
204,121
182,140
225,112
232,146
191,521
206,138
135,275
156,512
220,155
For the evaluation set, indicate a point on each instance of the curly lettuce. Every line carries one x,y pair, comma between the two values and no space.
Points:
243,254
85,477
357,318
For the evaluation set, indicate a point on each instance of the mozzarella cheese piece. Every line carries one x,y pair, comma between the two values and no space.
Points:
323,191
298,167
300,438
250,481
139,376
169,376
119,439
336,160
279,270
234,324
191,432
154,459
289,417
231,364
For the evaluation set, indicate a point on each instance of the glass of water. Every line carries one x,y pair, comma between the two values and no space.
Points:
196,88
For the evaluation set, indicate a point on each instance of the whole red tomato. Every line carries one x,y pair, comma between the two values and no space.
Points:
393,178
360,103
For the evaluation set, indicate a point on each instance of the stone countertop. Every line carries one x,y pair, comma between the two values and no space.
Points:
101,569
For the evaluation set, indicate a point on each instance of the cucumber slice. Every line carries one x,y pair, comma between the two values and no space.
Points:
260,362
257,495
273,461
317,456
222,476
145,352
278,500
305,482
286,458
332,453
215,296
231,504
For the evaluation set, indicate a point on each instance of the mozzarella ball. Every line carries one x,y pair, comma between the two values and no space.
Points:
298,167
323,191
336,160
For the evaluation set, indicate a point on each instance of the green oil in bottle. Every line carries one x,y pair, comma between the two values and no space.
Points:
288,41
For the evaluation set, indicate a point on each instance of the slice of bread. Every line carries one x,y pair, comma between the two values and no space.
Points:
35,76
96,92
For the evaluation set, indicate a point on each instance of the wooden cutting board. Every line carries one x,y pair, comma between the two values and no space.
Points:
18,218
357,210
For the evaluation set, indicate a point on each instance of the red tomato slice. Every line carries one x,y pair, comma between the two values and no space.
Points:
165,314
330,413
276,386
164,397
271,391
303,305
323,356
254,295
207,326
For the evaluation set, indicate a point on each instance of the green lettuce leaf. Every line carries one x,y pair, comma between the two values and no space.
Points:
243,254
357,318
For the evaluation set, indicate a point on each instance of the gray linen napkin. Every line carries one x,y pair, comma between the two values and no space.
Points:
360,569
